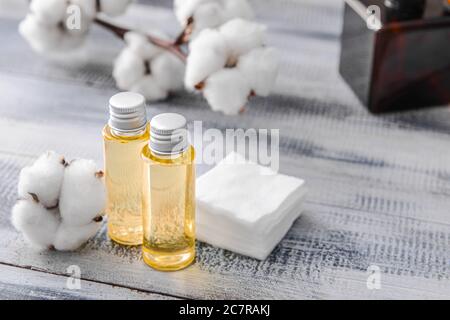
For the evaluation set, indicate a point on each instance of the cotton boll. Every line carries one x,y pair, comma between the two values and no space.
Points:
208,54
43,179
50,11
227,91
237,9
37,224
184,9
114,7
40,36
149,87
209,15
44,38
260,67
141,46
128,69
242,36
72,237
168,71
82,193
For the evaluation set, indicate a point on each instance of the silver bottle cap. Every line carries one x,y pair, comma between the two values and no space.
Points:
168,134
127,112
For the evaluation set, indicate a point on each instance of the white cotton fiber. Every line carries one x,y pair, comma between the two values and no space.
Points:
242,36
43,178
149,88
128,69
49,38
184,9
147,69
114,7
72,237
40,36
82,194
38,224
237,9
209,15
168,71
208,54
260,67
227,91
140,45
49,11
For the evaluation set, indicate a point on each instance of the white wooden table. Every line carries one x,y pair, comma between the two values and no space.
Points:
379,186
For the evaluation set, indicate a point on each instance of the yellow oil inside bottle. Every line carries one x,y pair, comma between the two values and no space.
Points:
123,178
169,210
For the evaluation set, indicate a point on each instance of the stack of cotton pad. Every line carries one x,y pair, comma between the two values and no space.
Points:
245,207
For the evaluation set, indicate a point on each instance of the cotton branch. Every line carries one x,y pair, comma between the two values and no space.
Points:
165,44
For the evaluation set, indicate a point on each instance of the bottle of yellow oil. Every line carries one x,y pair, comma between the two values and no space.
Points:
126,133
168,195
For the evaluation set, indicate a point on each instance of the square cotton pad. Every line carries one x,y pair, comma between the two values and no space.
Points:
245,207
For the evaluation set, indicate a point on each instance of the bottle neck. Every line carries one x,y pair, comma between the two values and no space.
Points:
128,133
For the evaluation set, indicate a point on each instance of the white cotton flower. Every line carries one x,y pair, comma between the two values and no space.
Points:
43,179
184,9
202,14
208,54
70,238
168,71
147,69
227,91
55,26
260,67
237,9
59,205
113,7
242,36
38,224
209,15
83,194
231,63
139,44
50,11
129,68
149,88
45,38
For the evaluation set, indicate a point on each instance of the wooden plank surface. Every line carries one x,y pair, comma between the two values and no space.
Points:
24,284
378,185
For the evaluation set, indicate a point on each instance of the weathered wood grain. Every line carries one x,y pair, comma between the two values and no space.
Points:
26,284
378,185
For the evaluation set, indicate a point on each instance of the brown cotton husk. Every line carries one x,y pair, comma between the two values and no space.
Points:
34,196
185,35
199,86
99,174
98,219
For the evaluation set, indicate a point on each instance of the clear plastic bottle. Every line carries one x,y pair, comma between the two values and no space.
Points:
169,195
126,133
